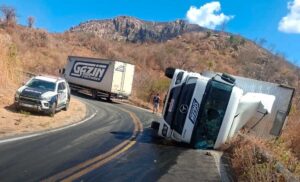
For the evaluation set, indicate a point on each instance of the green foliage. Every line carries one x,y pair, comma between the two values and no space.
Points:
208,34
236,41
160,85
210,65
12,52
152,86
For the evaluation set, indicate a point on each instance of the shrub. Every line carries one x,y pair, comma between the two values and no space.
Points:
236,41
38,38
250,165
9,65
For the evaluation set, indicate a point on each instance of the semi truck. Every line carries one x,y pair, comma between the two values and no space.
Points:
99,77
206,110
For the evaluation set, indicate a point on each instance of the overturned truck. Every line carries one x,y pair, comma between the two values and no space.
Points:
205,110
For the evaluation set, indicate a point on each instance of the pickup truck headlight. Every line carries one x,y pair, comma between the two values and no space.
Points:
46,98
17,96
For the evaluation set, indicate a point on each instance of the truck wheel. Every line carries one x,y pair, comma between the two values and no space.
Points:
94,94
67,105
108,99
169,72
52,110
155,125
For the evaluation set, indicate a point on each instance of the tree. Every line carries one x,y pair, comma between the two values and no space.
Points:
30,21
261,42
9,14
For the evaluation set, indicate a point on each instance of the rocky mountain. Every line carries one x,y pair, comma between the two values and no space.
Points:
125,28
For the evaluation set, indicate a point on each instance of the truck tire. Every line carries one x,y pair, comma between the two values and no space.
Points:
94,94
52,110
155,125
108,99
169,72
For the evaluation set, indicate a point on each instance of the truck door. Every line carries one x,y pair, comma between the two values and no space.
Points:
62,94
119,77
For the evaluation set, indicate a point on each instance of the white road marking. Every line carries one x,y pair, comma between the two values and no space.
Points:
136,107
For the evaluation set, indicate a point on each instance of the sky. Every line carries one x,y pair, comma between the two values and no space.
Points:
276,21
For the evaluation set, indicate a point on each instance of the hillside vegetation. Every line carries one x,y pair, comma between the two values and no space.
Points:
42,52
25,49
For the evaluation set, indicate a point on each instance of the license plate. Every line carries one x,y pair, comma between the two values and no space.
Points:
27,105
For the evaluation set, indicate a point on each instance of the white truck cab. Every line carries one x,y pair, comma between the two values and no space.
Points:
44,93
205,112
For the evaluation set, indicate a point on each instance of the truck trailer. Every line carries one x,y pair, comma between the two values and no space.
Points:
206,110
99,77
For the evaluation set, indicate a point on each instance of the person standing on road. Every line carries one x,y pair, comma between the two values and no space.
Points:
156,100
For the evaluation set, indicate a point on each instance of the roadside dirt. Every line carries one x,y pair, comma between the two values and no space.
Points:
13,123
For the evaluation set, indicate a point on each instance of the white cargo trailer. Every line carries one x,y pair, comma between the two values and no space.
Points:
100,77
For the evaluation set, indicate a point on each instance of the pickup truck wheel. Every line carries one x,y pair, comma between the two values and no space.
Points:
67,105
17,107
52,110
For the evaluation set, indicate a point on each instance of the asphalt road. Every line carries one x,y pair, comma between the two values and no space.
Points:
105,148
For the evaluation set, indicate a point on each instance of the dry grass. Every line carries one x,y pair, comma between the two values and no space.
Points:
249,161
249,164
38,51
43,52
10,66
9,61
290,136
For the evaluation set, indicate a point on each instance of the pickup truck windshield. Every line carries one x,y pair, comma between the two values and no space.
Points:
211,114
41,84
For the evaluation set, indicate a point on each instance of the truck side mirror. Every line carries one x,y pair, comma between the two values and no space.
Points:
228,78
169,72
61,71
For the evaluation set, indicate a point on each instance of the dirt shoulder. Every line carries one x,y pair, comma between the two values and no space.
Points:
13,123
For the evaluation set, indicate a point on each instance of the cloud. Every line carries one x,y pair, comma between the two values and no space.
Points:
291,22
207,15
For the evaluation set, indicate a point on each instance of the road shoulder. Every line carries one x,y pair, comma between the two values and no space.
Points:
14,124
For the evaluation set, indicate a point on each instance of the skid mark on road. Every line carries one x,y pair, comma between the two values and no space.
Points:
98,161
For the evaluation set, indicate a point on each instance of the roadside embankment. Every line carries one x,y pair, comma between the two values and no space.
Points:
255,159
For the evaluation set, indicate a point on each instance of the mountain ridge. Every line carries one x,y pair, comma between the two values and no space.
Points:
127,28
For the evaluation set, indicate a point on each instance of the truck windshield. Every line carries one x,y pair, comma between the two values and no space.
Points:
41,84
211,114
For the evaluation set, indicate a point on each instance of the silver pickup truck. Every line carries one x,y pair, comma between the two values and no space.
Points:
43,93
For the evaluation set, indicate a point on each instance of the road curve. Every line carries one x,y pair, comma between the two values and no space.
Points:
109,147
